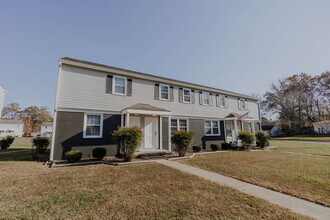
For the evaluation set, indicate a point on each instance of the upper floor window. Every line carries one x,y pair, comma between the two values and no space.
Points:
93,125
164,93
242,104
179,124
223,101
187,95
205,98
119,85
212,128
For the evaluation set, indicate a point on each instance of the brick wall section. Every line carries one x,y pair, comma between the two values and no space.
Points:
197,127
165,133
69,134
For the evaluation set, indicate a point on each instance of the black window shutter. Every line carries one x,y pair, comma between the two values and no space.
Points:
171,94
108,84
192,96
200,98
129,87
217,100
156,91
180,95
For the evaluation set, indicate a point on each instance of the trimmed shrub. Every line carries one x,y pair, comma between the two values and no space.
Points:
41,144
182,139
215,147
262,139
6,142
73,155
225,146
99,153
247,139
129,140
197,148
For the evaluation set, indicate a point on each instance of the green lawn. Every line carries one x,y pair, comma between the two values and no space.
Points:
305,138
301,147
21,150
304,176
32,191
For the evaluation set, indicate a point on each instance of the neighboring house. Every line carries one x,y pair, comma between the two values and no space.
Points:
93,100
2,98
11,128
271,130
46,129
322,127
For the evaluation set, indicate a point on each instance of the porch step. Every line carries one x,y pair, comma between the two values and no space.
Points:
152,154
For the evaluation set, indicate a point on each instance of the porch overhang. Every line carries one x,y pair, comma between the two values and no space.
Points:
146,109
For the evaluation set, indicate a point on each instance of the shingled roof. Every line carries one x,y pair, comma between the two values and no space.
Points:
146,107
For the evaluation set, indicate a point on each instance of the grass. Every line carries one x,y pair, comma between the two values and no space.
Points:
321,149
32,191
305,176
317,138
20,150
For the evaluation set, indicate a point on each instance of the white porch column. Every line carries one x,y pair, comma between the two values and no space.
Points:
253,128
235,130
160,136
169,134
122,120
127,120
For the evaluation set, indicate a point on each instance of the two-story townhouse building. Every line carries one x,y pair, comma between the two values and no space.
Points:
93,100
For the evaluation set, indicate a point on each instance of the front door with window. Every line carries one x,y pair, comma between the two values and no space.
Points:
151,132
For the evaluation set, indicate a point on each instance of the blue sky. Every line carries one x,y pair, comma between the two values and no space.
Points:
241,46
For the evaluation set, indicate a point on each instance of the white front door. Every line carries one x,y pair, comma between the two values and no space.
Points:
150,132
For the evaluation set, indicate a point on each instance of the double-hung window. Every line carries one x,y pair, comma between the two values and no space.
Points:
222,101
242,104
179,124
164,92
93,126
119,85
212,128
186,95
205,98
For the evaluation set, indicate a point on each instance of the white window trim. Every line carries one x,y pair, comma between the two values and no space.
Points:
178,124
85,126
114,85
239,104
209,104
160,92
184,95
212,128
226,101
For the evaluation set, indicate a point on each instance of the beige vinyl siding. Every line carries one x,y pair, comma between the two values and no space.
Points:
81,88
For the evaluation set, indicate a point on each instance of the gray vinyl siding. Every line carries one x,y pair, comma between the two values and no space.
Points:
81,88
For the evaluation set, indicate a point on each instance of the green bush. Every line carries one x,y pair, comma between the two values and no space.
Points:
129,140
262,139
99,153
197,148
225,146
41,144
6,142
215,147
182,139
73,155
247,139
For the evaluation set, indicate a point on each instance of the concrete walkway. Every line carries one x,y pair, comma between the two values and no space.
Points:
295,204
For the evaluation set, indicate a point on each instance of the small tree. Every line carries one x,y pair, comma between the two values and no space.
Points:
262,139
182,139
41,144
247,139
6,142
129,140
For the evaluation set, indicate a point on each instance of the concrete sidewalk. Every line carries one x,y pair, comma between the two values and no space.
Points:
295,204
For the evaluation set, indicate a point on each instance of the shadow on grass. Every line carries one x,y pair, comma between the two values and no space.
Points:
21,154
